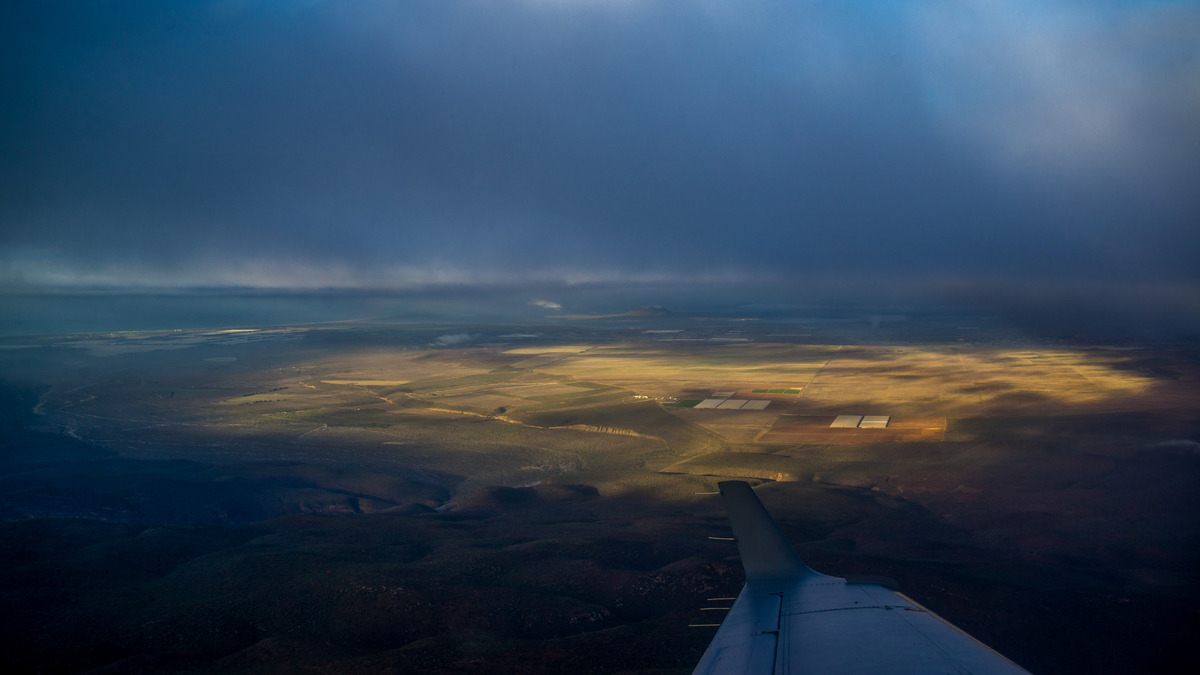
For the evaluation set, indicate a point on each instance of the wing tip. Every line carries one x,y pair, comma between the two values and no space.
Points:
766,553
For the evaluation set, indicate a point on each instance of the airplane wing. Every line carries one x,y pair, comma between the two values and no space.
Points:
790,619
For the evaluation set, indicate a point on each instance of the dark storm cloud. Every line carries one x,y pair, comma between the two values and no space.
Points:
358,143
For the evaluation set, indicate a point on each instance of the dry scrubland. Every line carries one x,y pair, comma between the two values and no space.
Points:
1032,494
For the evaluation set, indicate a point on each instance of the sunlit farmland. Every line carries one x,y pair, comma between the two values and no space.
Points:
1048,481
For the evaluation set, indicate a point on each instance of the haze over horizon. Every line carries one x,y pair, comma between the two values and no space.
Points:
1015,154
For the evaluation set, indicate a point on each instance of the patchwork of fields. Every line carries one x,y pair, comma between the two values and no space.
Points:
1017,491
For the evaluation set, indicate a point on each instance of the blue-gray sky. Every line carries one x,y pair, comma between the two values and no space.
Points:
389,145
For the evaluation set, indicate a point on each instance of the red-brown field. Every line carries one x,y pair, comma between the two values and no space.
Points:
793,430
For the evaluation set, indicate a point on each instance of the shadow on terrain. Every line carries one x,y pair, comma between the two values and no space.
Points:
47,476
561,577
1067,542
545,579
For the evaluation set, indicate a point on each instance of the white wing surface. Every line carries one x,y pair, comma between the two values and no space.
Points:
789,619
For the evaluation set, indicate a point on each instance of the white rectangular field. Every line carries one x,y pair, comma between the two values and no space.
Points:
874,422
708,403
846,422
733,404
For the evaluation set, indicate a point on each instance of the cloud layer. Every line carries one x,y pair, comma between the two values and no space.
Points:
371,144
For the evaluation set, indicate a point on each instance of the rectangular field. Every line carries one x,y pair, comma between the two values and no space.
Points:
845,422
796,430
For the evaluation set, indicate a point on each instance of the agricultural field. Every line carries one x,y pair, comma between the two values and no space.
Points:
800,430
366,497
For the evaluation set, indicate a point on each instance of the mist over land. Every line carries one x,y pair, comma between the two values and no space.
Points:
1003,151
1128,313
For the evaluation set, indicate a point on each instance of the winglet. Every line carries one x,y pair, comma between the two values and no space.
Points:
766,553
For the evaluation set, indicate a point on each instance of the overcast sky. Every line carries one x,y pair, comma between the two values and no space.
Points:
377,144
